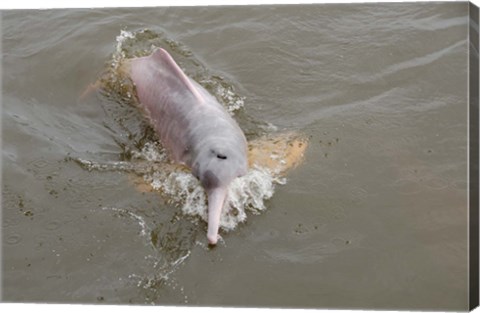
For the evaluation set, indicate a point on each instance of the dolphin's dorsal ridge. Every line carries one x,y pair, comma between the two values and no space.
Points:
163,56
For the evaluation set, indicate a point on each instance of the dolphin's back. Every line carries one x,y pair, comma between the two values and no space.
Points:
183,113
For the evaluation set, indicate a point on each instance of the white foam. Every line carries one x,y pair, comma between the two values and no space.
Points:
247,193
232,101
124,35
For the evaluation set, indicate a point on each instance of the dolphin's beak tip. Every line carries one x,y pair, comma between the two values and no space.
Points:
212,240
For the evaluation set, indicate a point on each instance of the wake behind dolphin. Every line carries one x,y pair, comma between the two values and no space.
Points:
193,126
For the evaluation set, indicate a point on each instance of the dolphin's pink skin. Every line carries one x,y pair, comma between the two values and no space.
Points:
193,126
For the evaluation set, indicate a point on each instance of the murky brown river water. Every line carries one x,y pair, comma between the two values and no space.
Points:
375,217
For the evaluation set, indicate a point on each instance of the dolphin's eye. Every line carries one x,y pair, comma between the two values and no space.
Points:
221,156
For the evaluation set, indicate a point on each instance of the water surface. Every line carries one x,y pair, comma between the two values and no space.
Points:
375,217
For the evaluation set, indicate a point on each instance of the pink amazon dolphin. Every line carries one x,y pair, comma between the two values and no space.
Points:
196,130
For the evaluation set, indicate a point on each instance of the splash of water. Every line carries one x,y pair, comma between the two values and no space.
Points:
147,160
247,193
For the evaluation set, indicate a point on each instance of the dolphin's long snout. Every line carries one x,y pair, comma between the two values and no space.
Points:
216,200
